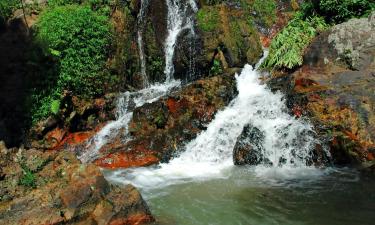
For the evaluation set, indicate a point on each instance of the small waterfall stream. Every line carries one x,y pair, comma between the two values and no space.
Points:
179,18
142,57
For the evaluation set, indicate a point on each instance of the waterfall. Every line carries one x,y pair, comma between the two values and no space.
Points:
211,152
142,57
178,19
124,113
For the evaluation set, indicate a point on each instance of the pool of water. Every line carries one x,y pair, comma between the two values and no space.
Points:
256,195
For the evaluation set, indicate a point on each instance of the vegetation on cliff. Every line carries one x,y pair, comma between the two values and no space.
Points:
287,48
77,39
6,9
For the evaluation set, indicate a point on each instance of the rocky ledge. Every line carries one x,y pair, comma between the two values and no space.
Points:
53,187
157,130
335,88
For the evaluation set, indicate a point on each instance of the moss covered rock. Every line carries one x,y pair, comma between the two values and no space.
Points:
229,30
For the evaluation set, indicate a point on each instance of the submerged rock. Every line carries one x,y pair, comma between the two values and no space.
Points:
249,147
157,130
335,88
55,188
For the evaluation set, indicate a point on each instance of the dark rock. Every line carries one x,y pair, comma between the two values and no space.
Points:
249,147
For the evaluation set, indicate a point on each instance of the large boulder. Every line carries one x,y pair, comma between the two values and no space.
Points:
55,188
249,147
157,130
335,87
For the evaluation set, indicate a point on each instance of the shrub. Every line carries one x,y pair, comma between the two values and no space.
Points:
339,11
28,179
77,39
6,9
216,68
286,50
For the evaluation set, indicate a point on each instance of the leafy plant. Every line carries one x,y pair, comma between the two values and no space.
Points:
28,179
7,8
338,11
216,68
55,106
287,47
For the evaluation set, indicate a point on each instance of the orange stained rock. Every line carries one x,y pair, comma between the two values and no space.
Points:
127,159
370,156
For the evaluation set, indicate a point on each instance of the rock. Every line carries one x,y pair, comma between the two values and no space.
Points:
64,192
157,130
77,118
335,89
227,29
249,147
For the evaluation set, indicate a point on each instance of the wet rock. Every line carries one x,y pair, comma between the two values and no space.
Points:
61,190
249,147
157,130
335,89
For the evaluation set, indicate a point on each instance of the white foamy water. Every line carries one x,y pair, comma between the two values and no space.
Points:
142,57
124,113
177,21
210,154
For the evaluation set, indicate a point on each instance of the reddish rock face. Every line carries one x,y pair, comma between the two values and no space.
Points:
63,191
160,128
335,89
76,122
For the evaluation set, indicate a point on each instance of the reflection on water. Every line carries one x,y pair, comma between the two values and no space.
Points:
256,195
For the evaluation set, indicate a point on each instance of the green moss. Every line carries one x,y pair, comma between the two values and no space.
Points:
265,11
208,18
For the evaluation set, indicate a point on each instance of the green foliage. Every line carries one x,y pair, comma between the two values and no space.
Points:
287,47
216,68
335,11
76,39
7,8
265,11
28,179
55,106
208,18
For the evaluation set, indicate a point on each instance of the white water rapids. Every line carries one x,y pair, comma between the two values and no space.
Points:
210,154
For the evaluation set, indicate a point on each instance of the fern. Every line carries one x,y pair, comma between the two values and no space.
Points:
287,47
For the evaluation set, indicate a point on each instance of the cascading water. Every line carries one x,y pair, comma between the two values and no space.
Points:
125,105
211,152
177,21
142,57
